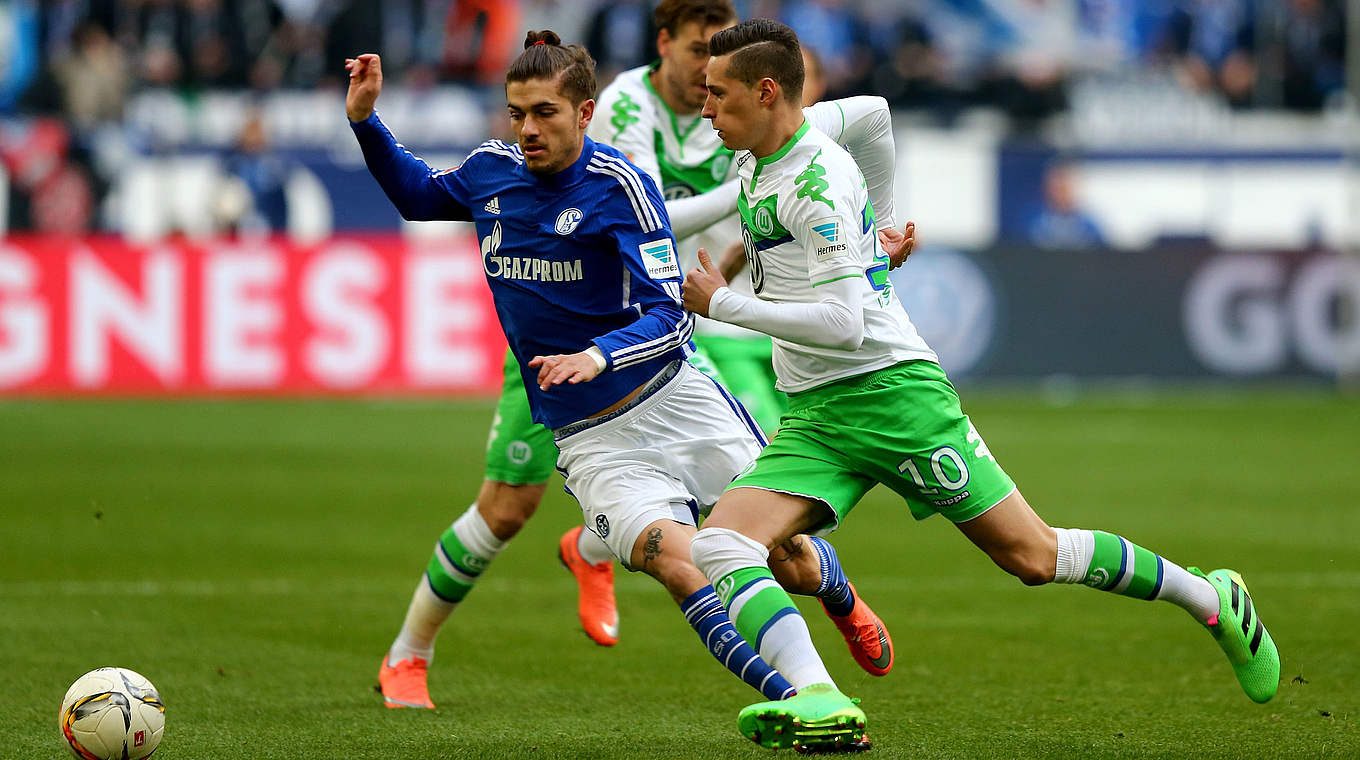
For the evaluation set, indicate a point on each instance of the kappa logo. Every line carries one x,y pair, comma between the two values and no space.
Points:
568,220
658,257
493,206
602,526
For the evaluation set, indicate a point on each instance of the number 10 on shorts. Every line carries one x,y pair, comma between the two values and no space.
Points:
942,461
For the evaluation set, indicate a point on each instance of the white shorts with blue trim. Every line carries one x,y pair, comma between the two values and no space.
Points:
667,455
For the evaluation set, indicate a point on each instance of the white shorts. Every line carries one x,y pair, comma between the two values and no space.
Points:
667,455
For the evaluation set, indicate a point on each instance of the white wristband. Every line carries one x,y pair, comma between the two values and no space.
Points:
595,353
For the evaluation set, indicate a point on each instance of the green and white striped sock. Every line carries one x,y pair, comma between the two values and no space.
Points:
460,556
1112,563
758,606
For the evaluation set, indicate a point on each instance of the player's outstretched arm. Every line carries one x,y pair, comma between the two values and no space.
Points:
417,191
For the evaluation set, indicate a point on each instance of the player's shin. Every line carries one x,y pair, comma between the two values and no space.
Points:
761,610
1112,563
460,556
706,614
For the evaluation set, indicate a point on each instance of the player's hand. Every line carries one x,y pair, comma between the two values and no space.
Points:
701,283
365,82
896,244
559,368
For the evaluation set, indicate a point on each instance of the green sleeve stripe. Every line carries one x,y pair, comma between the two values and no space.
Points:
833,279
842,110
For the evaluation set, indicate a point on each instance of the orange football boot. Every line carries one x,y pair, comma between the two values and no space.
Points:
595,604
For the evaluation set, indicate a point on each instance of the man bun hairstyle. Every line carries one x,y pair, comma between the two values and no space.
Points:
760,48
673,14
545,57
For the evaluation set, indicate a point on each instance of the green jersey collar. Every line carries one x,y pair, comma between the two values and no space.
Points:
761,163
680,136
788,146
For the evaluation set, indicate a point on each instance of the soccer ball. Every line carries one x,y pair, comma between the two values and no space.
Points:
112,714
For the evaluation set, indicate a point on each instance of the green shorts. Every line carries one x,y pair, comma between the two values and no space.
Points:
900,426
519,451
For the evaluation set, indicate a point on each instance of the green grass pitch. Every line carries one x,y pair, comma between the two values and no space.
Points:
254,558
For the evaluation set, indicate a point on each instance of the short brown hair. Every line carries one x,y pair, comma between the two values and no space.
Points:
762,48
545,57
673,14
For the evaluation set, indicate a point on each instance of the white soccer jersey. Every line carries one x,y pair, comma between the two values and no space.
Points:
684,157
807,221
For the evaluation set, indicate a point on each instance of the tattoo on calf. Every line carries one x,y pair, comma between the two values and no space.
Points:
793,548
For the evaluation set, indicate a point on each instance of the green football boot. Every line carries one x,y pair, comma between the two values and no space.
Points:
1239,631
817,719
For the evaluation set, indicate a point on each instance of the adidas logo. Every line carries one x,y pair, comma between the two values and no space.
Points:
493,206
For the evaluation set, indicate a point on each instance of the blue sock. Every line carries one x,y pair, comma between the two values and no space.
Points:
834,590
705,612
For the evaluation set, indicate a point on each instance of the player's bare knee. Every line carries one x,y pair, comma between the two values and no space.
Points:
1032,568
506,507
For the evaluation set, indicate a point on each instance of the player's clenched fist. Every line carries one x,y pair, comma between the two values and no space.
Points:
701,283
365,82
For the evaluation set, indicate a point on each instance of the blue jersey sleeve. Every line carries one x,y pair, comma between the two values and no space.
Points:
419,193
643,235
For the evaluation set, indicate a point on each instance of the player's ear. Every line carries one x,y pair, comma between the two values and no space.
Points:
585,112
768,91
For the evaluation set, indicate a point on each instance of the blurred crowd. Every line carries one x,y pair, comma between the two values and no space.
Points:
83,57
71,67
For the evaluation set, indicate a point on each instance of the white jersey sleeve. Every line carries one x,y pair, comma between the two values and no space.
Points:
863,124
837,321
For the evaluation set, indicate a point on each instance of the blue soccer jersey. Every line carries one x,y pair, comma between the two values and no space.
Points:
579,257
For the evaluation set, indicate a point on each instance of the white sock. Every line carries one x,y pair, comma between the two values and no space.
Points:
593,549
787,644
1189,592
424,617
460,556
1074,554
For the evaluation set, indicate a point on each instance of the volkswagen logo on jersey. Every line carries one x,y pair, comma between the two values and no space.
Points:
677,191
763,221
718,169
567,221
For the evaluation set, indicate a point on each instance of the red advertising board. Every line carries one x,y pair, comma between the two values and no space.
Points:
353,314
